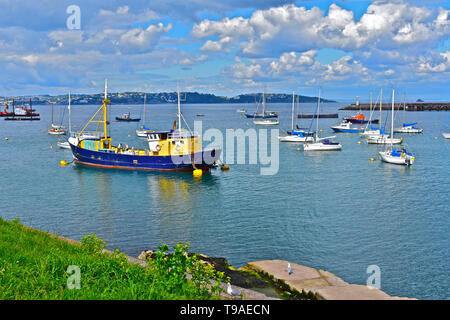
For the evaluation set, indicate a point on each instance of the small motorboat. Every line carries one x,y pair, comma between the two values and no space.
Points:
127,117
446,135
241,111
408,128
346,126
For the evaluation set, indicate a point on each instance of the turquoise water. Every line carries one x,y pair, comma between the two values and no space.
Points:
336,211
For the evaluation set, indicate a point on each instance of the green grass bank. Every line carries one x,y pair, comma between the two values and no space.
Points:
37,265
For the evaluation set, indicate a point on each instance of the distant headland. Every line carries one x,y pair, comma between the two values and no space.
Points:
158,98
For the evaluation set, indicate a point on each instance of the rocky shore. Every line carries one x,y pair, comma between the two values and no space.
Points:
270,279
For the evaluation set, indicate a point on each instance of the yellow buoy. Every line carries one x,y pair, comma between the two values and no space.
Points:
6,138
372,159
63,163
51,147
359,142
351,136
435,138
321,130
197,173
299,149
225,167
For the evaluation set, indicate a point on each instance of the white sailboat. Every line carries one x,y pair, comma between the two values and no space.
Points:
370,131
143,131
295,135
396,156
407,127
380,137
266,121
446,135
55,129
65,144
321,144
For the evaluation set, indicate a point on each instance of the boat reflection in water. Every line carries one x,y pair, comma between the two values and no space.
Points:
174,202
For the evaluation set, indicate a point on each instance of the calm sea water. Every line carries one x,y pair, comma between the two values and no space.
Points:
335,210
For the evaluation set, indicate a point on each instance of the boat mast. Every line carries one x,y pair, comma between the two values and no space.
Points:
292,116
105,107
317,117
381,106
264,101
179,107
143,122
392,117
52,114
70,127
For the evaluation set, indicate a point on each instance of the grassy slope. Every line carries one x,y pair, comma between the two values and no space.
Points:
33,265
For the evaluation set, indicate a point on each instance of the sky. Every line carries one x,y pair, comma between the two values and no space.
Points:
346,48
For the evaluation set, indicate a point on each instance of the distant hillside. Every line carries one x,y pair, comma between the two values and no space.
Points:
157,98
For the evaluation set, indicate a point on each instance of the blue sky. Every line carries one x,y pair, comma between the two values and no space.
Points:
349,48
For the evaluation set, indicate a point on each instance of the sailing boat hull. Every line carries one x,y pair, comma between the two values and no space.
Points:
295,138
408,130
267,122
387,156
136,162
383,140
319,146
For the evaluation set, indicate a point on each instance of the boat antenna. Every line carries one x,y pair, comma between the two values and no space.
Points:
317,116
392,117
179,107
381,106
70,127
292,116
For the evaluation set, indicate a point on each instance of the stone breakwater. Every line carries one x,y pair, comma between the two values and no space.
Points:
409,106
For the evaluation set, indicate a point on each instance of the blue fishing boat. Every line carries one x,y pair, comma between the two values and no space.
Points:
173,150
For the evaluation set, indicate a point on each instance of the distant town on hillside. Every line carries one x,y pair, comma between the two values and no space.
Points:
156,98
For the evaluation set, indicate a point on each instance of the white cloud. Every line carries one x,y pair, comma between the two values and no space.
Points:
289,62
111,40
427,65
271,31
240,70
